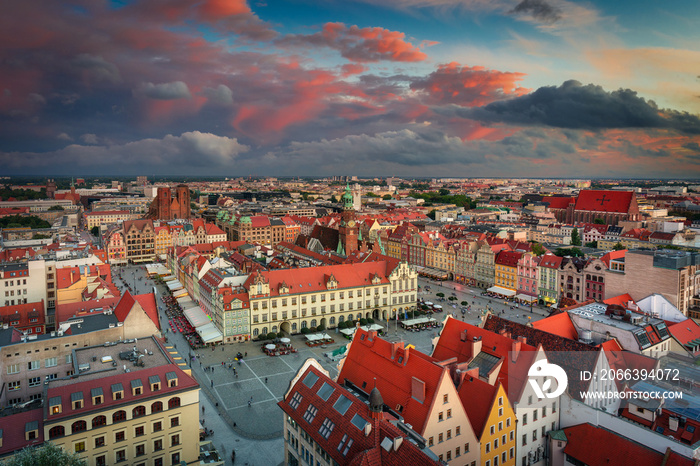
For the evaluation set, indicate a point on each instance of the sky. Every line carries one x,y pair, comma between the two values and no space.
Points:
412,88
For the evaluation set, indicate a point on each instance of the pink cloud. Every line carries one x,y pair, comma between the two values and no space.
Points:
469,86
350,69
362,45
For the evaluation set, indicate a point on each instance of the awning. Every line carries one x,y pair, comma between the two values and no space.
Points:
196,317
501,291
186,302
318,337
209,333
179,293
526,297
418,321
174,285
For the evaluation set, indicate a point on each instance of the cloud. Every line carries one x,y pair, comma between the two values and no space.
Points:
96,68
89,139
179,153
538,9
573,105
166,91
468,86
64,137
220,95
362,45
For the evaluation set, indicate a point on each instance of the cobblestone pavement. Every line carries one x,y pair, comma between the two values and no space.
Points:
255,430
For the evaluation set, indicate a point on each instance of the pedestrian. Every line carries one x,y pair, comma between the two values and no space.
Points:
265,379
246,354
212,384
202,409
249,403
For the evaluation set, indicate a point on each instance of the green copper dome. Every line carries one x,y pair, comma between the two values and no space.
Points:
346,199
245,220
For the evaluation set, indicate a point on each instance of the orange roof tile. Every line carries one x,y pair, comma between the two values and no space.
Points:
558,324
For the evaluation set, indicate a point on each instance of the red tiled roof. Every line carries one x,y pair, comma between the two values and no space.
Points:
68,310
365,449
477,398
212,229
10,255
370,361
148,304
259,221
558,324
556,202
605,201
508,258
610,448
13,430
550,261
685,331
620,300
613,255
124,306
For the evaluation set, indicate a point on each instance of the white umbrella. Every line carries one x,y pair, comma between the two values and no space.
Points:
270,346
285,340
428,303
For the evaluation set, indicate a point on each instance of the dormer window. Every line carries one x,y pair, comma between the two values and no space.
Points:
136,387
154,382
117,391
31,430
97,396
171,378
55,405
76,400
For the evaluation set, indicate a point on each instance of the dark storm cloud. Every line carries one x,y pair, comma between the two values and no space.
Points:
575,106
538,9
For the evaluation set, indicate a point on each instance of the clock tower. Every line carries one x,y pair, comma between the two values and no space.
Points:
348,231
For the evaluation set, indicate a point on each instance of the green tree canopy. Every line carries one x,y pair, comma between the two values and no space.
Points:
599,221
386,197
618,247
47,454
537,249
575,237
18,221
431,214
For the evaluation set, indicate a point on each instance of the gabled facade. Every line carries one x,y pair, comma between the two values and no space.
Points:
418,388
506,269
528,277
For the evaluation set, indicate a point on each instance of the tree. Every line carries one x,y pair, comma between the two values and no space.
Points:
47,454
618,247
56,207
95,231
563,252
537,249
592,244
575,238
440,295
431,214
334,200
464,303
386,197
599,221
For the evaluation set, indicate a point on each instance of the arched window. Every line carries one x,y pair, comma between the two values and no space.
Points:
157,407
350,317
274,329
78,426
264,330
119,416
173,402
57,431
341,319
313,322
255,332
332,321
294,327
303,324
139,411
98,421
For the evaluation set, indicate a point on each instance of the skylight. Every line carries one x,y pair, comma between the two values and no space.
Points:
325,391
358,421
342,404
310,379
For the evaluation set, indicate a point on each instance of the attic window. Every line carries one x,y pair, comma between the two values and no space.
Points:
296,399
310,413
358,421
310,379
76,400
325,391
154,382
55,405
97,395
117,391
31,430
171,377
136,387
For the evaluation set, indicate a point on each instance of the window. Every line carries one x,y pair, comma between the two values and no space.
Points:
157,407
121,456
534,435
310,413
57,431
449,434
158,445
140,450
524,439
444,399
99,442
466,448
139,431
173,402
78,426
449,413
139,411
457,450
99,421
174,422
51,362
488,447
431,441
449,455
508,422
534,415
326,428
175,457
120,436
493,430
33,365
101,461
80,447
119,416
458,430
157,426
440,416
544,431
13,369
440,437
35,381
525,419
175,440
554,407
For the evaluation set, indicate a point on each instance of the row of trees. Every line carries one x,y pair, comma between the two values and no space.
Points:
18,221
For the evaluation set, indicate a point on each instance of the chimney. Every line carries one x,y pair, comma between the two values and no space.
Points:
515,350
395,346
418,390
673,424
522,340
475,344
463,335
397,442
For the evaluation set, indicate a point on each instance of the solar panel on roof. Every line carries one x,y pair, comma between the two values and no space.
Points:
643,339
662,329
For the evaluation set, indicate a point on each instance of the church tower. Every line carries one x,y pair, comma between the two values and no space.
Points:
348,230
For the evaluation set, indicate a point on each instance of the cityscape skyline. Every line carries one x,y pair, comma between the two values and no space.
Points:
409,88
